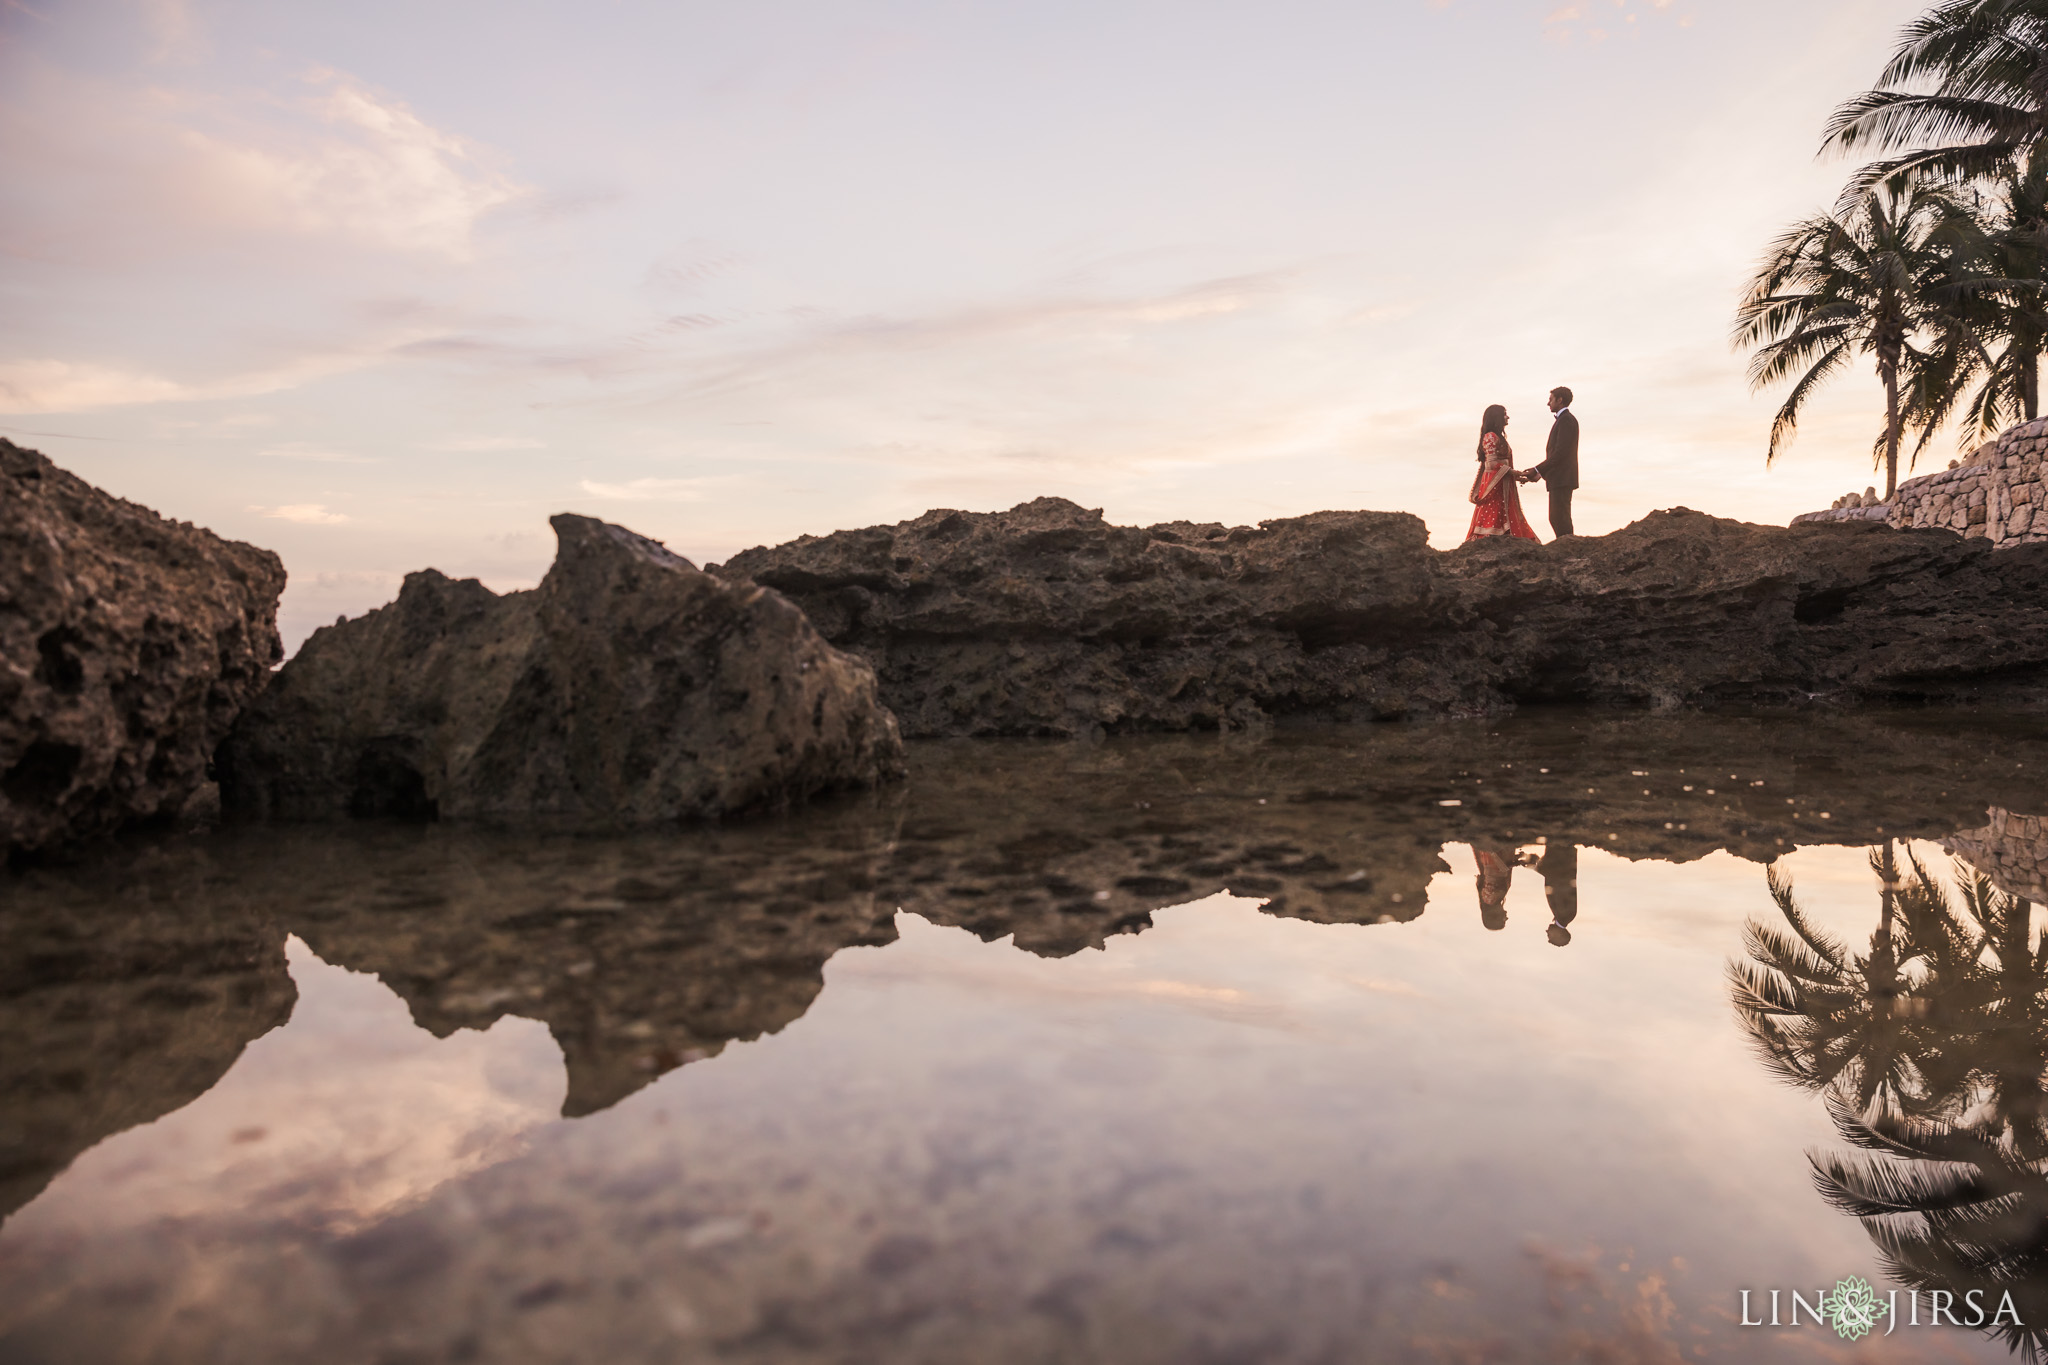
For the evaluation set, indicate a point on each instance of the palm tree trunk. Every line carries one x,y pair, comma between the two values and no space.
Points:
1889,889
1891,429
2030,385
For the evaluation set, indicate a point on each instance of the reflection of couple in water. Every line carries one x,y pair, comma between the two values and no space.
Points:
1559,865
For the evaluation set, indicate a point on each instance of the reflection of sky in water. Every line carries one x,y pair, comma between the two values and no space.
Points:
1232,1136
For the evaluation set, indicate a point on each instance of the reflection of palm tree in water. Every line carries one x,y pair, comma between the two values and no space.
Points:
1931,1050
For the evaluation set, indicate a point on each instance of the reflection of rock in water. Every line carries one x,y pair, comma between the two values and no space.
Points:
1065,844
2010,849
130,988
122,998
639,953
130,985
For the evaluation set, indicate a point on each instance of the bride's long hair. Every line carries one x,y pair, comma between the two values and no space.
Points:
1495,420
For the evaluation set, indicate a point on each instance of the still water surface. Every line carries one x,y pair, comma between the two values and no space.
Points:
1380,1044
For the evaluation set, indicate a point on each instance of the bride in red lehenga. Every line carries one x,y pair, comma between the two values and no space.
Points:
1496,505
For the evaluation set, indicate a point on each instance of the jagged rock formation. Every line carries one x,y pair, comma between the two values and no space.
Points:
628,687
128,645
1046,620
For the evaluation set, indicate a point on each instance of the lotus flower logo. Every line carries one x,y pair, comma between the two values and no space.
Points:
1853,1309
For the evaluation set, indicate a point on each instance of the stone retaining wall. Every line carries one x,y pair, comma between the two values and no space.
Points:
1996,492
2012,850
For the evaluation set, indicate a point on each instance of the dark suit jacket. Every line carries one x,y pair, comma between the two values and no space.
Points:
1560,467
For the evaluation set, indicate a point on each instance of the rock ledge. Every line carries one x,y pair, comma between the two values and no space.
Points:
1046,620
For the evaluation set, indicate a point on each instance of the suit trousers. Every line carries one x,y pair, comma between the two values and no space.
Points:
1561,511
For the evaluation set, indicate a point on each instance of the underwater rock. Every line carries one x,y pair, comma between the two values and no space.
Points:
1046,620
128,645
628,687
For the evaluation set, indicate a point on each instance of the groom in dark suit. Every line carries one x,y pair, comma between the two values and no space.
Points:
1560,468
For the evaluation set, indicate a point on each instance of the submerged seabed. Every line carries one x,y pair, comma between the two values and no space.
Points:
1202,1048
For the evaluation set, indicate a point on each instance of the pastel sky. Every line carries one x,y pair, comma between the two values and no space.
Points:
383,285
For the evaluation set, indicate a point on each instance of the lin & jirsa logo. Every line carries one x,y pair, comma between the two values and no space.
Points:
1854,1309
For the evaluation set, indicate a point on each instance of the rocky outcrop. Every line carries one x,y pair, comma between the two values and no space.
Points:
629,687
1047,620
128,645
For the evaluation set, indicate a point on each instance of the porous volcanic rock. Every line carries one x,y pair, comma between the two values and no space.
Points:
128,645
629,687
1046,620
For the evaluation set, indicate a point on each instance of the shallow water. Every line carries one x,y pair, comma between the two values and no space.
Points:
1196,1049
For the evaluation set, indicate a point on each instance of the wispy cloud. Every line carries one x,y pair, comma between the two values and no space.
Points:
174,28
309,513
805,339
230,424
1596,20
62,386
311,454
484,443
141,170
43,384
374,171
648,490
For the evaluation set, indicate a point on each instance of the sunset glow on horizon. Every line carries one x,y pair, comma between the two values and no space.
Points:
383,287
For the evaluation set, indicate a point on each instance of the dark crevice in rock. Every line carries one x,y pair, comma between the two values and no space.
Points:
58,666
42,773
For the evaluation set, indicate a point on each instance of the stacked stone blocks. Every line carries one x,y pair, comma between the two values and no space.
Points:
1996,493
2012,850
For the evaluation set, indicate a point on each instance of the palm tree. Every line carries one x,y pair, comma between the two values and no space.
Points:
1990,325
1869,279
1962,95
2008,307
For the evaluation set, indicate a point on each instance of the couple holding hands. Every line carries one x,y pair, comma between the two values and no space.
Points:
1497,509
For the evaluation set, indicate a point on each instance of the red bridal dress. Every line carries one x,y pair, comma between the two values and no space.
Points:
1496,506
1496,869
